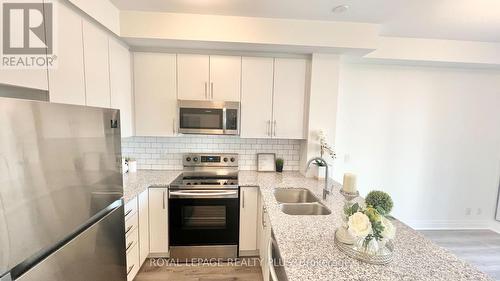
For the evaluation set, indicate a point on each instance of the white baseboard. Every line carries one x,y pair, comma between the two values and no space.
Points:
448,224
495,226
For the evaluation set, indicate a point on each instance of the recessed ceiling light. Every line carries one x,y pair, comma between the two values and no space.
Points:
340,9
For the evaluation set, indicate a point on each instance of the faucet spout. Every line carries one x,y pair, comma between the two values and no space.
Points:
323,162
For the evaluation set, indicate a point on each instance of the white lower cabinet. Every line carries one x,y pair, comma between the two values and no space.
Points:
249,200
264,238
143,209
132,238
158,221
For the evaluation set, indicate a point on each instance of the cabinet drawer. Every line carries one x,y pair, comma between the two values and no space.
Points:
131,224
132,239
130,208
132,262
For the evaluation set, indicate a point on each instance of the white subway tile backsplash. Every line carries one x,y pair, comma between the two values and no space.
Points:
165,153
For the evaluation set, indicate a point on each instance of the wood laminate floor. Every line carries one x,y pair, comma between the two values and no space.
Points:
247,270
479,247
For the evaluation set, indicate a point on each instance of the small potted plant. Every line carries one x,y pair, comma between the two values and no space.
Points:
279,165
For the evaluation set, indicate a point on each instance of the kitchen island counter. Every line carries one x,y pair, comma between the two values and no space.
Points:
306,243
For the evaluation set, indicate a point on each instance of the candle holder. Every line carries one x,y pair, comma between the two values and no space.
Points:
342,234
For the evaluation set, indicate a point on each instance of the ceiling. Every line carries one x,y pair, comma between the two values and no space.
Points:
476,20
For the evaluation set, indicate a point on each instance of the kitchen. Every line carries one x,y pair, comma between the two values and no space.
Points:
209,102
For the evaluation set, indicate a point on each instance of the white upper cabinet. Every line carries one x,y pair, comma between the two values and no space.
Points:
225,78
155,94
67,80
256,97
95,46
202,77
289,98
29,78
120,72
193,76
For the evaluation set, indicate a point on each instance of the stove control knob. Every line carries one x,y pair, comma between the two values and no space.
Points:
188,183
232,159
195,183
225,183
188,159
225,159
195,159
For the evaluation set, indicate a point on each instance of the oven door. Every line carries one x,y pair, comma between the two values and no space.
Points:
203,217
206,117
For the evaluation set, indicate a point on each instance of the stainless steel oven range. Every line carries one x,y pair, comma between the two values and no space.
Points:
204,208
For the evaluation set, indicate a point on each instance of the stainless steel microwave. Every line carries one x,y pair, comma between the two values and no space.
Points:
209,117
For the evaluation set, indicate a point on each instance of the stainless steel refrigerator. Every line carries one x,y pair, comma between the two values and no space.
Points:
61,212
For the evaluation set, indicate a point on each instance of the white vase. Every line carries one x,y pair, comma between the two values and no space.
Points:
320,172
132,166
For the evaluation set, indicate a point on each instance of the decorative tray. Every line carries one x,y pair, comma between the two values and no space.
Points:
384,255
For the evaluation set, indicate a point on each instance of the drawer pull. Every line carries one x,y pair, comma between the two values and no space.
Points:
128,212
129,245
130,269
128,229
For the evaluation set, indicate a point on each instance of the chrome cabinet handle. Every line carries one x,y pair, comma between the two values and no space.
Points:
263,217
130,269
164,207
206,93
243,198
274,131
129,245
128,229
128,212
268,130
212,89
173,126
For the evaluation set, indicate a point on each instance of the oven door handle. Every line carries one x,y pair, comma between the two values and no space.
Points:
203,194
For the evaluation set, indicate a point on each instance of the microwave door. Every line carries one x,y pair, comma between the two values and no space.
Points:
201,120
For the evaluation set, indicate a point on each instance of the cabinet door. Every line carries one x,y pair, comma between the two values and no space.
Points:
28,78
264,238
96,58
155,94
158,220
143,226
193,79
289,98
256,97
121,84
225,78
67,80
248,218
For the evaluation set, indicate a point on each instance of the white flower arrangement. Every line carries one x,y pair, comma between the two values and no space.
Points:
325,146
368,223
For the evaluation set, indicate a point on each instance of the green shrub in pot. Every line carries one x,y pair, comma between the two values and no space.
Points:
279,165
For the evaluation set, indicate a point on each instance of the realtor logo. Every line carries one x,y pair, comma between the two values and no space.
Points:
27,34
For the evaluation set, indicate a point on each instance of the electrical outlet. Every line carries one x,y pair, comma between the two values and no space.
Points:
468,211
347,158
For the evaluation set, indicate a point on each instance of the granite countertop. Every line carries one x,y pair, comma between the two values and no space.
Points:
306,243
135,183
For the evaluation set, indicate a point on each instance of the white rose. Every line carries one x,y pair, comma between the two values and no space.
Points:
359,225
389,230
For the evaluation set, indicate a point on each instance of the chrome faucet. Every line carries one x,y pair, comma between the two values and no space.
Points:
322,161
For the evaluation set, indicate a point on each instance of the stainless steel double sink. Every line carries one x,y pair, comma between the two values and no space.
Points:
299,202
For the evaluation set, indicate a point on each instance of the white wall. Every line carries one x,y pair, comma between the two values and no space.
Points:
428,136
322,108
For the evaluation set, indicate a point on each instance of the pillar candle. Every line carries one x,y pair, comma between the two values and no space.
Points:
349,184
